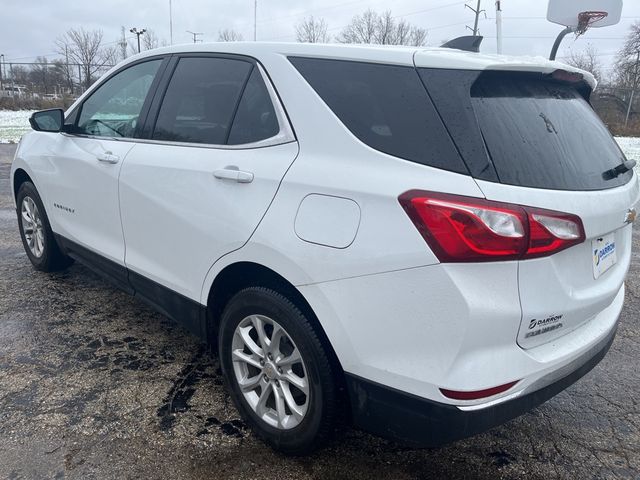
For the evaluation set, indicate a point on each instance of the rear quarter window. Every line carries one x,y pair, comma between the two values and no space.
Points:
385,107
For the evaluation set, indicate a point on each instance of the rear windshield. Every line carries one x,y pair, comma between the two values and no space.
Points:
543,134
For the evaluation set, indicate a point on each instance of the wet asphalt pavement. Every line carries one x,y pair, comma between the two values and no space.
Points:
94,384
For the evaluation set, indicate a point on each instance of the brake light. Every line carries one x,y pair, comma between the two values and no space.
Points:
467,229
568,77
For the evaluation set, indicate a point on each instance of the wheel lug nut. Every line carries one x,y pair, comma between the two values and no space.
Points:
265,378
270,356
279,370
262,362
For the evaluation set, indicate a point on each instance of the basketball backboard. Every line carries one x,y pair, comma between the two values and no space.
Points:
567,12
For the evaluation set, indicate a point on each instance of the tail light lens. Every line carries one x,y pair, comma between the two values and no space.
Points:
467,229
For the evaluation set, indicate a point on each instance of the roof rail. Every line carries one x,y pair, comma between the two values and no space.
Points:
468,43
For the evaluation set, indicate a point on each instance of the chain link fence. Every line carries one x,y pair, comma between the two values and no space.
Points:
38,85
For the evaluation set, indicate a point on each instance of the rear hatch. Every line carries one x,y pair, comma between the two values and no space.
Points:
531,138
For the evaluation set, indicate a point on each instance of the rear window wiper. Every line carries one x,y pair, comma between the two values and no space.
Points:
615,172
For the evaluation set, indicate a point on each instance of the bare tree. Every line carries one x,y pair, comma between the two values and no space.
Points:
46,77
361,29
19,75
312,30
586,59
150,40
85,48
383,29
627,64
110,55
38,74
417,37
229,35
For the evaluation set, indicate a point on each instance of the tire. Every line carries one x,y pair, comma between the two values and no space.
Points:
39,242
293,434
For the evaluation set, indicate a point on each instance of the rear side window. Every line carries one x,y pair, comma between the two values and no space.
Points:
544,134
201,100
385,107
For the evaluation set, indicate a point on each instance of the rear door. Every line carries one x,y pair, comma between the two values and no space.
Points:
542,145
218,144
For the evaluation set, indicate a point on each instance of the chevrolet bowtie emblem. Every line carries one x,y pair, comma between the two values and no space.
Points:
631,216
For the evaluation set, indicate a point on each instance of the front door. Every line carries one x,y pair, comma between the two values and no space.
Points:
86,163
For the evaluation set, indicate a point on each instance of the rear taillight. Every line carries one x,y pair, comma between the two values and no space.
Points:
467,229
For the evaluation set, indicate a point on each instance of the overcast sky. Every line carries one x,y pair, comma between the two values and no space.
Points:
29,27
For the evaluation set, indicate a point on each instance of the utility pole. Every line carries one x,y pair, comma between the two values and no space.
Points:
477,11
170,24
1,64
633,91
122,44
195,36
137,32
255,20
499,26
66,70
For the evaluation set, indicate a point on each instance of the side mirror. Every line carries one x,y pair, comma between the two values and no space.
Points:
47,120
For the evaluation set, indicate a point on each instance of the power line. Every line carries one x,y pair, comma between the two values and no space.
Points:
533,37
416,12
58,53
308,12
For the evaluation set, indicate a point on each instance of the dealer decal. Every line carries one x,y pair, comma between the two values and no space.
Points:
601,254
546,325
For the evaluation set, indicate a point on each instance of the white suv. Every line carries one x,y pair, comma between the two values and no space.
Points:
427,242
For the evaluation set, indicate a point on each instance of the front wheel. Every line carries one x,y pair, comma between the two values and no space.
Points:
277,371
35,231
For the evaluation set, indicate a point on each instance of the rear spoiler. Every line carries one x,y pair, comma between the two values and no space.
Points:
456,59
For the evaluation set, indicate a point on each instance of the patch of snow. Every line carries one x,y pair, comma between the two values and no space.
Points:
13,125
631,148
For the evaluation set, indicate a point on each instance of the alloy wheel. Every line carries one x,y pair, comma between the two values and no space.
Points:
270,372
32,227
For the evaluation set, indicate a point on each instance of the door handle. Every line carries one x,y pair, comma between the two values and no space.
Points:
233,173
108,157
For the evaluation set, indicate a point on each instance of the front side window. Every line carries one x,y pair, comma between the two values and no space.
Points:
113,109
201,100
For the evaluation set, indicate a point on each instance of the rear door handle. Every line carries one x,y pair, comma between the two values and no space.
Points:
108,157
233,173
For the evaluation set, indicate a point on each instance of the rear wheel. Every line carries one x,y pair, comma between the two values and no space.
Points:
277,371
35,231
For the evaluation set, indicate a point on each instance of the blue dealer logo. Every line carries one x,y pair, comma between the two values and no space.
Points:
599,255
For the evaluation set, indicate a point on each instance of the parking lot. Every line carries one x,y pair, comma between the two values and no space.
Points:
94,384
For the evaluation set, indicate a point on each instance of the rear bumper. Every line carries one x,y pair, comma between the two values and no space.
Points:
418,422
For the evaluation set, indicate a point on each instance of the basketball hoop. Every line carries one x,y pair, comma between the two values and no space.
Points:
587,19
578,16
